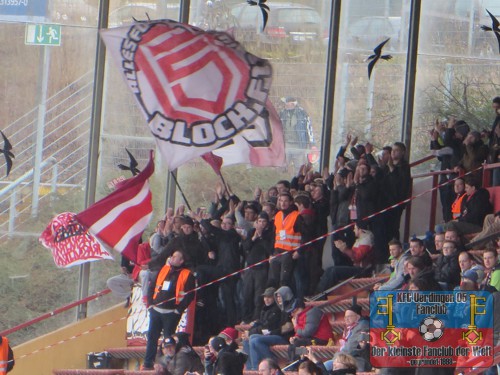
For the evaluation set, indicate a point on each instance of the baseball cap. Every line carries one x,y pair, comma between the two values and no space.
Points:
269,292
169,341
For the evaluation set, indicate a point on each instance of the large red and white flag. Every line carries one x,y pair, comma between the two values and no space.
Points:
199,91
70,243
119,219
251,148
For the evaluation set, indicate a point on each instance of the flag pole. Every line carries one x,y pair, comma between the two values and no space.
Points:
180,189
224,182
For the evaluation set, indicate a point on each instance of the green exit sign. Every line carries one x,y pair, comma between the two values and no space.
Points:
43,35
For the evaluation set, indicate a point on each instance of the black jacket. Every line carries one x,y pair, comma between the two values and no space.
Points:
395,185
476,207
228,250
270,319
447,270
229,362
195,251
366,194
260,249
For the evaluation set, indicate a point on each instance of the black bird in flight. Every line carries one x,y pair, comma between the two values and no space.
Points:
132,167
376,56
264,8
494,27
7,153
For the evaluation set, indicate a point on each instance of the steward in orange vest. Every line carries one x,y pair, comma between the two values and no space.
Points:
168,298
171,284
456,206
6,356
288,224
288,236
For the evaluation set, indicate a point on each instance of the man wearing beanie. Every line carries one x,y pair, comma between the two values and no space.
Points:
227,360
355,327
230,335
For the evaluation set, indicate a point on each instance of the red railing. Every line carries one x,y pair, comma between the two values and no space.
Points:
54,313
487,172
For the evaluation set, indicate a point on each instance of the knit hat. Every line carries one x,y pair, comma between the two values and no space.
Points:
471,275
218,343
355,308
229,333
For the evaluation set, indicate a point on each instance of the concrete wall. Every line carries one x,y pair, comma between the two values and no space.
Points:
68,346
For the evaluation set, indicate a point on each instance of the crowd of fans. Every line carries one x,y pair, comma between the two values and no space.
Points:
278,235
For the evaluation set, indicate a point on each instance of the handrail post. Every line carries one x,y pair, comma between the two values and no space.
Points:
12,213
53,184
486,175
408,215
432,213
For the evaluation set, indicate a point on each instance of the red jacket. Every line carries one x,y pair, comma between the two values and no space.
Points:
143,257
312,323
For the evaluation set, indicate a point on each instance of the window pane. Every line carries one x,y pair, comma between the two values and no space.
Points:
370,109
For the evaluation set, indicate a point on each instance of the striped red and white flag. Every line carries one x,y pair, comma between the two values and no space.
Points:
119,219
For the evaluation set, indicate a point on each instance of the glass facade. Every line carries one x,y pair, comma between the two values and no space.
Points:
47,94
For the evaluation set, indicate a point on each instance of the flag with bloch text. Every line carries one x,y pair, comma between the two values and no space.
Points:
199,91
119,219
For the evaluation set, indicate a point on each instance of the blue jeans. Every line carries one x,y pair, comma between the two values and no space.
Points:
260,348
157,323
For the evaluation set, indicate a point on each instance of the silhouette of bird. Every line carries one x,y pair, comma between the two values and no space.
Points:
7,153
132,167
263,8
376,56
494,27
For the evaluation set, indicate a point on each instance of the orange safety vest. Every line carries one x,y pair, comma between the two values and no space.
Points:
286,238
456,206
179,288
4,355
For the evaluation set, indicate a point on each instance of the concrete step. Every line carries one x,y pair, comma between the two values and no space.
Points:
324,353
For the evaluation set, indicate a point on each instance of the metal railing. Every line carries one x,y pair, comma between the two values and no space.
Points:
487,171
12,189
65,145
55,312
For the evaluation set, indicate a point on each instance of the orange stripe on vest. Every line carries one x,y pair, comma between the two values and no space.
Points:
4,355
179,287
